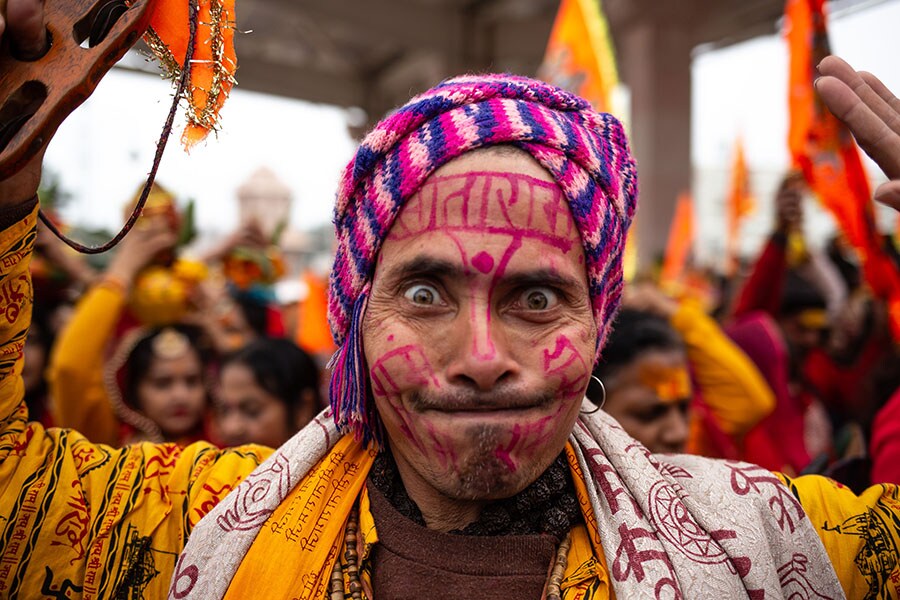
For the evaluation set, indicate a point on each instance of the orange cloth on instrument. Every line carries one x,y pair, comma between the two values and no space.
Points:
213,64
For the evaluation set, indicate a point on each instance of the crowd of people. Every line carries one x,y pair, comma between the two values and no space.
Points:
160,347
797,372
506,416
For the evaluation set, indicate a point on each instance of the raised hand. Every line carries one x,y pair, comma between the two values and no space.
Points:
871,112
646,296
139,248
789,204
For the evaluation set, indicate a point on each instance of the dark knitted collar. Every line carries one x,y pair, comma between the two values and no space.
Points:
547,506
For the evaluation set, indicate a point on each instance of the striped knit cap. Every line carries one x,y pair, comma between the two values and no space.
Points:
586,153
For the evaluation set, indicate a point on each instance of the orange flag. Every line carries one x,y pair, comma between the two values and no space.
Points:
681,238
580,56
739,203
313,333
827,154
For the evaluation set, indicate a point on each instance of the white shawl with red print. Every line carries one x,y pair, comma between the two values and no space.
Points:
671,526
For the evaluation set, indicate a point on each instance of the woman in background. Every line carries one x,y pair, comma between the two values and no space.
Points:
267,391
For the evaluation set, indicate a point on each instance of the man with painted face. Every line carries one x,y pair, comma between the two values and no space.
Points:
480,230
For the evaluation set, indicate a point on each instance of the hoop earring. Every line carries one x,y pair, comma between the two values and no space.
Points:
603,400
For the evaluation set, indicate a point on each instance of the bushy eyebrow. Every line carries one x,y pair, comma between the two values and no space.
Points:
541,277
424,266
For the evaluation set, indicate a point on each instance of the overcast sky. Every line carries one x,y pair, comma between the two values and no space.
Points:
104,150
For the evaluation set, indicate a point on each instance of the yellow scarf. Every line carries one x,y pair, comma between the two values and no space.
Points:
294,552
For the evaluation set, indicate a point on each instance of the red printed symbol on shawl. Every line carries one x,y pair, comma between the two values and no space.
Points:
676,524
249,504
794,580
747,479
181,588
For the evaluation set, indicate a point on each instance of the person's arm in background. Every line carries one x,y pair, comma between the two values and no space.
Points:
75,375
730,384
248,234
762,289
824,275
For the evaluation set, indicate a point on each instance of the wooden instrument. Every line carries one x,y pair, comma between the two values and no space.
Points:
87,37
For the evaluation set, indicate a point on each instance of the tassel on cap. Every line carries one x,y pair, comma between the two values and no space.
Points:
351,402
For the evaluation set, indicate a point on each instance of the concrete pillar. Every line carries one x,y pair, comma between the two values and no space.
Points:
655,62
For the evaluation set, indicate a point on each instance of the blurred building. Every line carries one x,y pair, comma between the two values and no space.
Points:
265,198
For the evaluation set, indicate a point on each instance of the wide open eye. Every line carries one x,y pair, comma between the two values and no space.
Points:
423,294
539,298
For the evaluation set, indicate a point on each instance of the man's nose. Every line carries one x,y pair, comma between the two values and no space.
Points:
482,356
231,427
676,429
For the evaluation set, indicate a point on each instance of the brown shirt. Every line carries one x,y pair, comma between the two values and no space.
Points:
411,560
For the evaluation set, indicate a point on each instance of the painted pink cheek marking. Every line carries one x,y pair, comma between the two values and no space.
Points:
483,261
504,454
402,369
564,362
390,338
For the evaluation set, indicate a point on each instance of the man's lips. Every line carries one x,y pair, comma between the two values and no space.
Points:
477,404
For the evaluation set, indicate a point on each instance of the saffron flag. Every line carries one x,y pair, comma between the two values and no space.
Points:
579,55
681,239
739,203
827,154
313,334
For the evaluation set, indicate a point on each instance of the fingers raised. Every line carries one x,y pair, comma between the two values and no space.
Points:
892,101
889,194
25,27
875,137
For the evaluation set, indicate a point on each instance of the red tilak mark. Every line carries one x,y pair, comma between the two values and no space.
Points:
483,261
539,431
504,454
390,338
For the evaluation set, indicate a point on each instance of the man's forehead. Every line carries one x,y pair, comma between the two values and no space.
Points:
501,202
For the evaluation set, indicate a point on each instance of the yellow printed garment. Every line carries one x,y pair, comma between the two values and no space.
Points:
84,520
861,533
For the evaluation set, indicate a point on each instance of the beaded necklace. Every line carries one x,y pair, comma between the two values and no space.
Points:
351,556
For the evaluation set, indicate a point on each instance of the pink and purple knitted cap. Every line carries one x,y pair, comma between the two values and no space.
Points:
586,153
